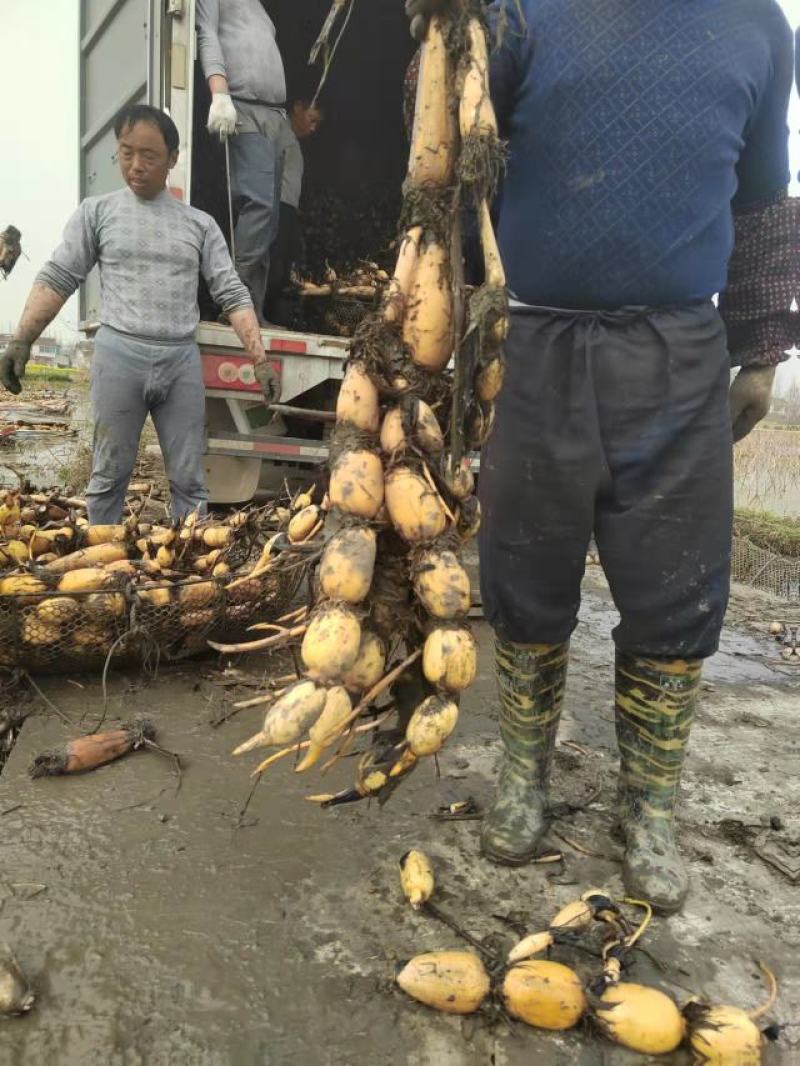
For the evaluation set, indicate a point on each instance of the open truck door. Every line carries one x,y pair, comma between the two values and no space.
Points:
122,44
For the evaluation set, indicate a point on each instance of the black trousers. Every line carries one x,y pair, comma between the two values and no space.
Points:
617,424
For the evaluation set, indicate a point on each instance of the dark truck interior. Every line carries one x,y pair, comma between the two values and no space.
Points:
354,164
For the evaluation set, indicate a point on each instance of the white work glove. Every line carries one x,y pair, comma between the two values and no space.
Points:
750,398
222,116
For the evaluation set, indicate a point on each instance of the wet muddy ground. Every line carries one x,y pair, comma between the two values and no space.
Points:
162,929
49,458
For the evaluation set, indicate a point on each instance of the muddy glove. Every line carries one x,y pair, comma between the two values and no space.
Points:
12,365
750,397
419,11
269,382
222,116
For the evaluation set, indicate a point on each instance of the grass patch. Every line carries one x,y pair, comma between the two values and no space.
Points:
772,532
767,471
74,474
40,372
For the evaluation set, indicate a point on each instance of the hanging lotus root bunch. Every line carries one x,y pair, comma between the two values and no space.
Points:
387,643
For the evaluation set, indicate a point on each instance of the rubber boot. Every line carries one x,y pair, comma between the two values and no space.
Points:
531,679
655,703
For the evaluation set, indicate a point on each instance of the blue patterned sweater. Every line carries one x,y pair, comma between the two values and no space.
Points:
635,129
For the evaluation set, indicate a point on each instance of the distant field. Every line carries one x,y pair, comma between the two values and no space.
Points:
767,472
41,372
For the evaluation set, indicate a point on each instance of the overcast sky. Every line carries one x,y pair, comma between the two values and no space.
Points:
38,137
39,140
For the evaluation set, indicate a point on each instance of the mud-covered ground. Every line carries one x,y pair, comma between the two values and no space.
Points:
163,929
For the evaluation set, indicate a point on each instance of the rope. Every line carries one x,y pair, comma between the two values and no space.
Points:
323,41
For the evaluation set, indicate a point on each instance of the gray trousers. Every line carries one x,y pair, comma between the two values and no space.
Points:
132,378
256,176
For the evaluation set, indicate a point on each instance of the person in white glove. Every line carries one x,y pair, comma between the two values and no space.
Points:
222,116
244,69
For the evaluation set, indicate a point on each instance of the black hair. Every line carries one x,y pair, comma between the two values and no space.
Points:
134,113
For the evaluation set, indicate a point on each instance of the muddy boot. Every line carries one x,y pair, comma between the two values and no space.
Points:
531,680
655,702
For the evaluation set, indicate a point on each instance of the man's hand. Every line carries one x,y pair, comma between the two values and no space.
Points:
222,116
12,365
268,380
419,11
750,398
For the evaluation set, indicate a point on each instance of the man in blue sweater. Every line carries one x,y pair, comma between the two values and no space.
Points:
647,171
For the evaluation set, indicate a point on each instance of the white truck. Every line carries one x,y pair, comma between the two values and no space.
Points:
144,51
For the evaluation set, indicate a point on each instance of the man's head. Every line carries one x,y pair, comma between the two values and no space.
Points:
305,118
147,145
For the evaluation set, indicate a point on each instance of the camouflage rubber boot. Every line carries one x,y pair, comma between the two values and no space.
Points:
655,702
531,680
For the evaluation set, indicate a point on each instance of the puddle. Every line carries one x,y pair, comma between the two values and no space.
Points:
45,458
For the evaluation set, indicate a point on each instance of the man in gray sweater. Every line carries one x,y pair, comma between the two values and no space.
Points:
150,249
240,59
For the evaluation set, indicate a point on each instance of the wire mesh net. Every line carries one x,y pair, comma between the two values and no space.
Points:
54,631
766,570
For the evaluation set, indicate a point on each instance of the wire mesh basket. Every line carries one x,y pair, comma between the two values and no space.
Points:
53,631
766,570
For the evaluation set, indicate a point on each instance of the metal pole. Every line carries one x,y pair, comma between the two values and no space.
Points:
230,196
302,412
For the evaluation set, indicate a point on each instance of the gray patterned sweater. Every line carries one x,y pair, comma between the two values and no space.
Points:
150,253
